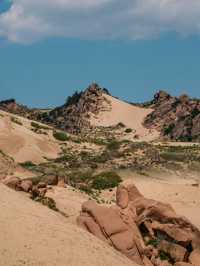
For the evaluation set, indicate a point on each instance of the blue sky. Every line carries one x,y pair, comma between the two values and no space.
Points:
42,68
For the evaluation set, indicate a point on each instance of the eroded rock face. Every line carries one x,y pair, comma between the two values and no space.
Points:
178,118
146,231
74,115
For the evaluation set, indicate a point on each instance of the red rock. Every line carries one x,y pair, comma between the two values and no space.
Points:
26,185
122,198
194,257
176,252
13,182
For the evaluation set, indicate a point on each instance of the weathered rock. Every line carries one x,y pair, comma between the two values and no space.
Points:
26,185
142,228
176,118
176,252
194,257
13,182
41,185
182,264
122,198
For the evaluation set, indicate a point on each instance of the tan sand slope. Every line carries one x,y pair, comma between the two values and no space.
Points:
22,144
131,116
33,235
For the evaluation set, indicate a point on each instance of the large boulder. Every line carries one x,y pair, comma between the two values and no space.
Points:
145,230
26,185
13,182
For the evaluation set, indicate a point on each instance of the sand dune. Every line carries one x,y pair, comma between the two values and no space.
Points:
33,235
22,144
131,116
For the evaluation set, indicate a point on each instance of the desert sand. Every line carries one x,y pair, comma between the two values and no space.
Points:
131,116
22,144
37,236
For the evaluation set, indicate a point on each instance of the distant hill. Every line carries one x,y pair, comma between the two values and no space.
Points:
168,117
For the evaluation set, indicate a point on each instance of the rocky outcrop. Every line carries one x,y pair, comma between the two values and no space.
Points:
74,115
148,232
178,118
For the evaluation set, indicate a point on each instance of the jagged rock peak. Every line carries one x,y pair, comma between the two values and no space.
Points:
161,96
94,88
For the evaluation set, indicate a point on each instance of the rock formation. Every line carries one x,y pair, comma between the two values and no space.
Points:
178,118
148,232
74,115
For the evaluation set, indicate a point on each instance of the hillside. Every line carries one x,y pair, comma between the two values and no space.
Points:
25,140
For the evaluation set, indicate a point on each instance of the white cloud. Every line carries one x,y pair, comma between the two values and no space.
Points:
31,20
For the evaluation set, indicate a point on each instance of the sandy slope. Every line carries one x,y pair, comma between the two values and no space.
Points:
22,144
131,116
33,235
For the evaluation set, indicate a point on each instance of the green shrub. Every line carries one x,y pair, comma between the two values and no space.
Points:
168,130
128,130
16,121
27,164
61,136
120,124
113,145
49,202
106,180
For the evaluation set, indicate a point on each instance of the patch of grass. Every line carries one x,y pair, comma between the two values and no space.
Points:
61,136
106,180
16,121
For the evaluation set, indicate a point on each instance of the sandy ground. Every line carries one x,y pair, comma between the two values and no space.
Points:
33,235
131,116
22,144
68,200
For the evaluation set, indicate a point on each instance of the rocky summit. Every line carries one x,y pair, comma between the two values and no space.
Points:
177,118
74,115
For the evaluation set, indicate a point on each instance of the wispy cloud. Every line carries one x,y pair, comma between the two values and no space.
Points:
31,20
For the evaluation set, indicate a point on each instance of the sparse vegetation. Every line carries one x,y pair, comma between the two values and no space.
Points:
16,121
106,180
39,126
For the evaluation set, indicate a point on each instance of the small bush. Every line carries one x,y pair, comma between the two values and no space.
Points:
27,164
120,124
128,130
61,136
106,180
16,121
113,145
49,202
